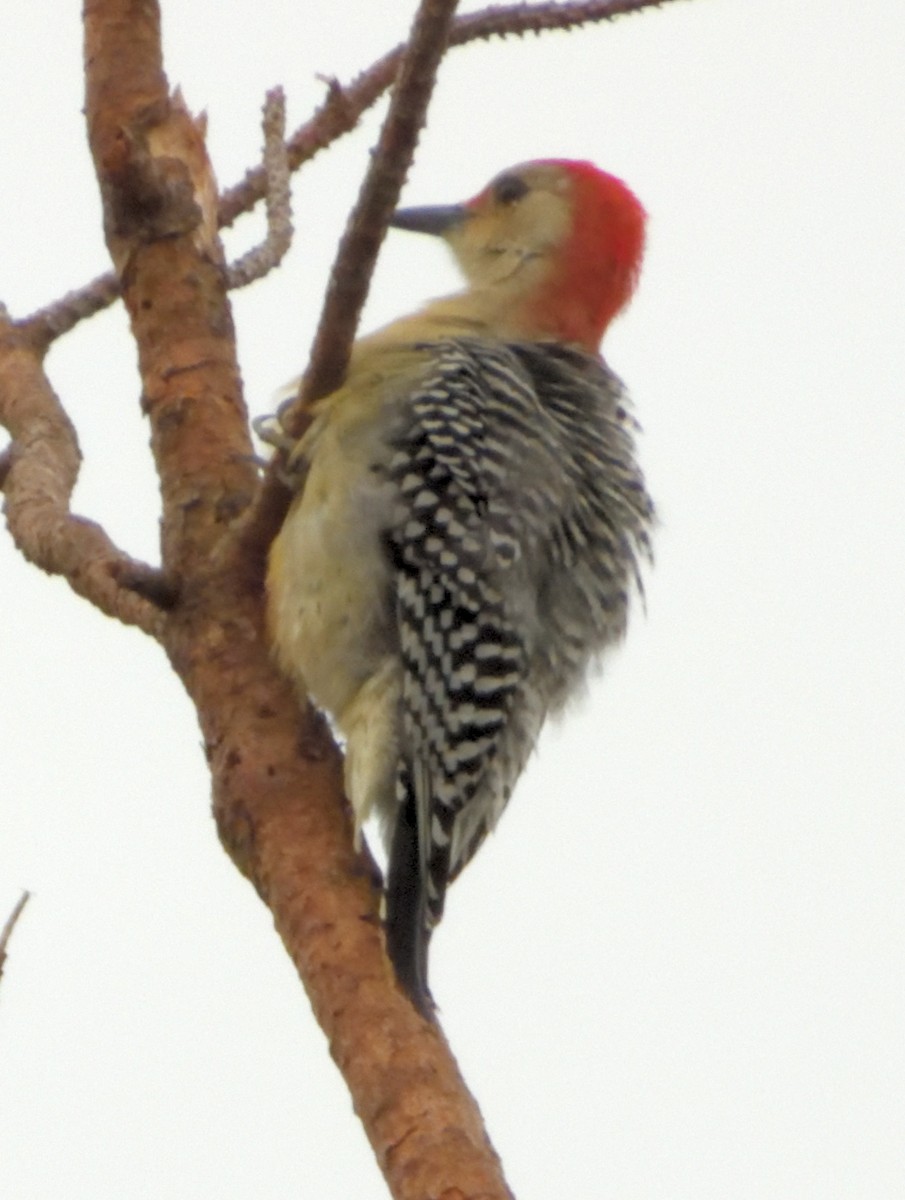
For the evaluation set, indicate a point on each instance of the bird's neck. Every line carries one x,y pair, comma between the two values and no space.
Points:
527,305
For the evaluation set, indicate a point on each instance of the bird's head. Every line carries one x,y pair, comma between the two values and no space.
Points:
562,239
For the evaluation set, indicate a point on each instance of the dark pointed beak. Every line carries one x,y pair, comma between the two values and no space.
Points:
437,219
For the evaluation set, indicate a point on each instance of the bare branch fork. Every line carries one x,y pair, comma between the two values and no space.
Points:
276,774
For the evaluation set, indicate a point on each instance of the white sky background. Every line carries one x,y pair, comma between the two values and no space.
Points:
677,971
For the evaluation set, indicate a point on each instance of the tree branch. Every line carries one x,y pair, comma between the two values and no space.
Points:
356,256
256,263
339,115
7,931
345,105
41,470
350,278
58,317
159,198
277,776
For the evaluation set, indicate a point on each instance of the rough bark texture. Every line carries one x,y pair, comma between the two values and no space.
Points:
277,776
40,472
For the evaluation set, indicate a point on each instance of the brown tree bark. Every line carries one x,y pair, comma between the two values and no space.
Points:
276,774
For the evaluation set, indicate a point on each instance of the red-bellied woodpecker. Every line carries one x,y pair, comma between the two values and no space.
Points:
470,526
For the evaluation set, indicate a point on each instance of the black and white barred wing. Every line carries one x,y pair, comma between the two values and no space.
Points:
463,655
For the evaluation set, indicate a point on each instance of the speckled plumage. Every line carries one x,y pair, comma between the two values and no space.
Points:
463,551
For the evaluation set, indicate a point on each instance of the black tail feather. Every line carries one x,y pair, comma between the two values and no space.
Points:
407,927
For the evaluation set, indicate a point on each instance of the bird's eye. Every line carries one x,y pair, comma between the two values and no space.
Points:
509,188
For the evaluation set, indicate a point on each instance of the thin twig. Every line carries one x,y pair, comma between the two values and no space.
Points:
257,262
344,106
7,931
61,315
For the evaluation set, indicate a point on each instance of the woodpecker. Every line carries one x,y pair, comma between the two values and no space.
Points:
470,527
